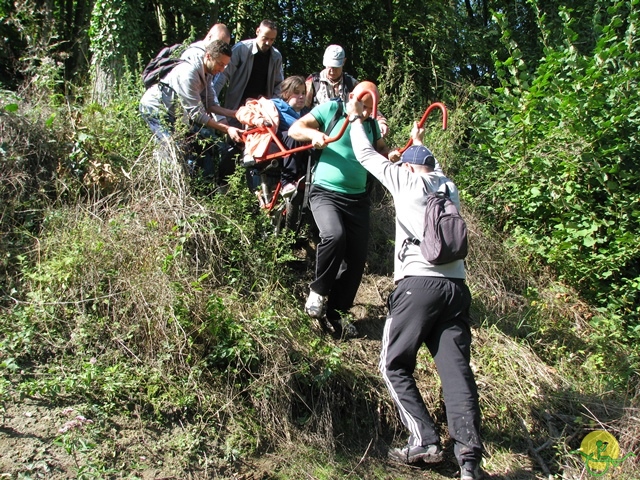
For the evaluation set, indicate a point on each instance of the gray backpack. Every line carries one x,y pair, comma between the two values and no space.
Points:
444,238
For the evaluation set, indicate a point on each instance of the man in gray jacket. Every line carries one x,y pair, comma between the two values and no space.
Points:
255,69
430,306
186,91
211,163
195,53
188,85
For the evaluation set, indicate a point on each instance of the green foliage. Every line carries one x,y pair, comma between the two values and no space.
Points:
115,31
231,346
557,153
13,43
135,291
143,297
78,438
253,255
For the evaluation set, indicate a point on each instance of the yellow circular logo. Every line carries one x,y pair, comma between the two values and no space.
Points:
600,450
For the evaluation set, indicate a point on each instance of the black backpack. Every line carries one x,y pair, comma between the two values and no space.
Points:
162,64
444,238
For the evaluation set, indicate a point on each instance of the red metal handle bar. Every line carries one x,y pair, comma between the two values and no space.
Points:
424,117
284,152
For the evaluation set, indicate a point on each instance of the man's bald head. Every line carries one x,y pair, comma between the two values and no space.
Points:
218,32
367,93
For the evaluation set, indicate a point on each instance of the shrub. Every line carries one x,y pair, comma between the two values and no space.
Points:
554,163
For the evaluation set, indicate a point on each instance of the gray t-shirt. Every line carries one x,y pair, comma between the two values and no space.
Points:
409,191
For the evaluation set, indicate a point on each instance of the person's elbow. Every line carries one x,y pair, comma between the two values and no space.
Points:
295,131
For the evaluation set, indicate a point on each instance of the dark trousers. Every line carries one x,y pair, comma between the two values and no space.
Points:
343,224
198,147
433,311
201,145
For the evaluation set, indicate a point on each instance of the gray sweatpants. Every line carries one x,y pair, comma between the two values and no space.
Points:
433,311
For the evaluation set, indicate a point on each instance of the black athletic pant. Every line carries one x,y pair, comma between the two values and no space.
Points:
343,224
433,311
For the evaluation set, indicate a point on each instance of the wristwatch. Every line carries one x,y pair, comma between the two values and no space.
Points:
354,116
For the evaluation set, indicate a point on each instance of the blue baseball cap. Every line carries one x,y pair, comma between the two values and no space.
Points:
418,155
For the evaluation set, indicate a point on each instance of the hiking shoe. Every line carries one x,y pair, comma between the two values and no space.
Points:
325,325
248,160
315,304
470,471
288,190
343,328
409,454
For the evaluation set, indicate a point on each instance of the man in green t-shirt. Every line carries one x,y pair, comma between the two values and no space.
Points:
340,205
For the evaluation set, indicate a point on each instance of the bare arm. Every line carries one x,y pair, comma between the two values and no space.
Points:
306,130
382,122
226,112
234,133
416,139
382,148
308,102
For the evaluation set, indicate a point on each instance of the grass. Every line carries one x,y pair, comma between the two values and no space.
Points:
171,320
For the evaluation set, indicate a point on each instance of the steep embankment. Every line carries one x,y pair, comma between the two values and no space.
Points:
150,331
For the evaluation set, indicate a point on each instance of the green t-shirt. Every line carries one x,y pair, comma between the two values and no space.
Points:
338,169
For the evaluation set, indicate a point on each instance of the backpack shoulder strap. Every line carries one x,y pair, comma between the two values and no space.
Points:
376,131
443,189
339,113
315,83
336,117
349,82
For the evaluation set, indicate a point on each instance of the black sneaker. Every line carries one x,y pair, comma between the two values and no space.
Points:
470,471
409,454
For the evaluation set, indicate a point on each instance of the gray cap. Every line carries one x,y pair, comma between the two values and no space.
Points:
333,56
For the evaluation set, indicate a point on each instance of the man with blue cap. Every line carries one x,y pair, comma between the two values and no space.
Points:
430,306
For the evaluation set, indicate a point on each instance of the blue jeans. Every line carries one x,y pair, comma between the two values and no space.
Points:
161,128
200,140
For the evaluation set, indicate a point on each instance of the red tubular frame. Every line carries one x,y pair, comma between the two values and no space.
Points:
424,117
283,152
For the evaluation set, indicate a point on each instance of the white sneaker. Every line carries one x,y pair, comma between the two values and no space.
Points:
248,160
315,305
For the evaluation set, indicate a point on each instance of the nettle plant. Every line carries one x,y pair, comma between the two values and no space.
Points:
559,152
